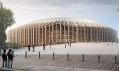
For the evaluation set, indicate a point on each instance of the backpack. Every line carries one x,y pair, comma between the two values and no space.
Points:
10,56
4,56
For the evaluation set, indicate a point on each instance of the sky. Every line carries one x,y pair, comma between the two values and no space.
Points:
105,12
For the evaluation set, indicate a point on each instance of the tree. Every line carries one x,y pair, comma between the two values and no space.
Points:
6,20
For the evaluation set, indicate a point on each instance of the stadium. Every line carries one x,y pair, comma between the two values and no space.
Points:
60,30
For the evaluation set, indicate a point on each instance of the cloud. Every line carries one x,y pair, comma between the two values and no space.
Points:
61,2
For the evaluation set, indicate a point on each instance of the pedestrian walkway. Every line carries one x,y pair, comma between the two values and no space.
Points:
76,48
60,63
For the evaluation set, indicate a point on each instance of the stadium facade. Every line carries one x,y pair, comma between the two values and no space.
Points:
60,30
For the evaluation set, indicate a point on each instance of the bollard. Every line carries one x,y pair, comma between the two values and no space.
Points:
65,45
25,54
98,58
83,58
53,56
39,55
67,57
115,60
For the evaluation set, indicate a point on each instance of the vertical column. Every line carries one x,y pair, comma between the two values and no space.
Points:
13,36
33,35
39,37
72,35
56,33
91,34
102,34
107,34
53,33
68,31
97,33
28,39
42,36
64,32
61,32
20,36
16,37
77,33
49,34
24,36
36,36
84,34
45,34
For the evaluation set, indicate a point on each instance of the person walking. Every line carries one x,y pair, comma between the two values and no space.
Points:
28,47
4,57
10,58
33,48
43,46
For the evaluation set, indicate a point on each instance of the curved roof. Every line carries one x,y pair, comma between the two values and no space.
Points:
70,21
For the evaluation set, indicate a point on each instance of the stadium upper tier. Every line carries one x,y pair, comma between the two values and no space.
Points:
74,21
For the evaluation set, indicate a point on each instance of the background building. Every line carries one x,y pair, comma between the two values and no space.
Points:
60,30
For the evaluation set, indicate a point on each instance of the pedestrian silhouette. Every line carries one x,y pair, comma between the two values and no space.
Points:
4,57
28,47
43,46
33,48
10,58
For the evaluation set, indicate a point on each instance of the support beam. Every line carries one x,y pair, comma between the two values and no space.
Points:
77,33
84,34
49,34
45,34
42,36
68,31
53,33
61,32
64,32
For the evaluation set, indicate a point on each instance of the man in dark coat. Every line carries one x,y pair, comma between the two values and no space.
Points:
43,46
28,47
4,57
33,48
10,58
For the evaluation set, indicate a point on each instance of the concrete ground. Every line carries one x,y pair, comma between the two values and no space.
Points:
76,48
60,63
46,63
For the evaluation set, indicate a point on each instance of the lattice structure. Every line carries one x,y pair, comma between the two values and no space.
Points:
60,30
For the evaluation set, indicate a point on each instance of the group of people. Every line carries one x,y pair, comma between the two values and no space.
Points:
29,48
7,58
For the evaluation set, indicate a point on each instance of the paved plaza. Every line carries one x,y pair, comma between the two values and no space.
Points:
75,62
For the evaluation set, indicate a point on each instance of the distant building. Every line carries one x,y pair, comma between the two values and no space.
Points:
1,5
60,30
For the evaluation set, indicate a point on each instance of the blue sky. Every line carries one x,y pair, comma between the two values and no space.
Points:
102,11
